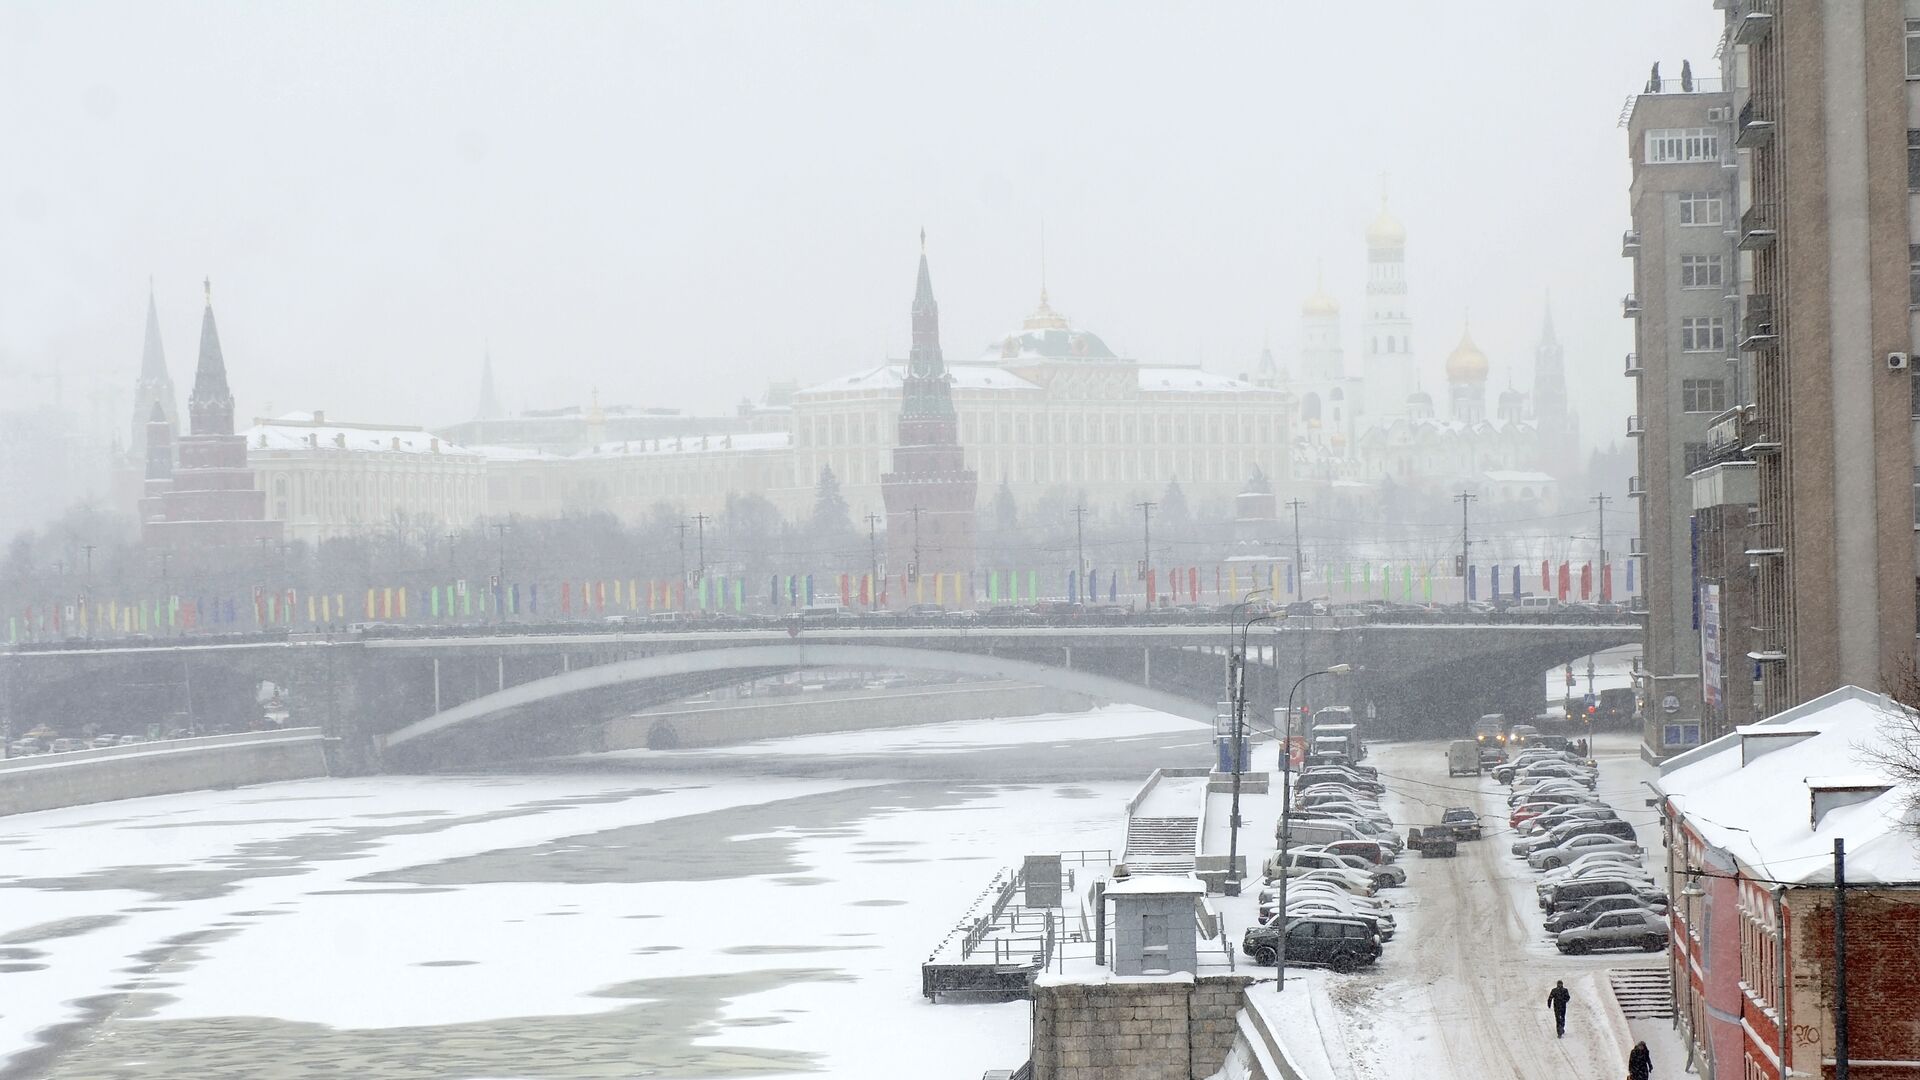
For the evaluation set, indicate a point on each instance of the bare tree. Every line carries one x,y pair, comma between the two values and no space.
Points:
1898,751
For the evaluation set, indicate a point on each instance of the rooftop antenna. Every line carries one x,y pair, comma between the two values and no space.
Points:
1043,259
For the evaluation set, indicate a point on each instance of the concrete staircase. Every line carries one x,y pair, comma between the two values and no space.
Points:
1162,845
1643,993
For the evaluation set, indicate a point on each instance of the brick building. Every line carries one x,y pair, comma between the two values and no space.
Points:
1751,819
208,501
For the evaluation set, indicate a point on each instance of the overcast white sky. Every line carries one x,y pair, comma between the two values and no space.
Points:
679,202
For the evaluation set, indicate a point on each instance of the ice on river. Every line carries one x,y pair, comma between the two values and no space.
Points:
689,914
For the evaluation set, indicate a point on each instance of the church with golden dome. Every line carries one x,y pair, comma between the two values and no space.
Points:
1400,420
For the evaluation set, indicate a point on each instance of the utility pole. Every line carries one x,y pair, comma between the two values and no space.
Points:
1464,499
1080,552
1606,580
88,600
873,560
913,571
683,527
700,521
1299,563
500,580
1841,1066
1146,537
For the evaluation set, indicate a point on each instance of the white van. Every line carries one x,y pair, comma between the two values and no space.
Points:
1463,758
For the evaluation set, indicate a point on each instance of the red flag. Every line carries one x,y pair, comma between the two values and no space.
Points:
1566,581
1586,580
1546,576
866,590
1606,583
566,597
1193,583
1152,590
846,592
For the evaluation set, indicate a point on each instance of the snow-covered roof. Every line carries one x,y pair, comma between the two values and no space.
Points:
1757,802
891,376
1190,379
312,431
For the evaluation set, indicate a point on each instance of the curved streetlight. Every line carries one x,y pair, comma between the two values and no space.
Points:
1237,748
1286,810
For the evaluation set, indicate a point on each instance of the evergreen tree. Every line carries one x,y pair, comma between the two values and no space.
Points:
830,532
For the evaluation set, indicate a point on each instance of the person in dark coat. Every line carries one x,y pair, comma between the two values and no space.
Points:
1557,999
1640,1063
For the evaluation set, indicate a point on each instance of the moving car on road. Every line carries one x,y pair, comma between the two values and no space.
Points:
1627,929
1463,758
1464,822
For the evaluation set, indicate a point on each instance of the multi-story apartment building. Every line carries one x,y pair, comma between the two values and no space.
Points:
1823,95
1678,136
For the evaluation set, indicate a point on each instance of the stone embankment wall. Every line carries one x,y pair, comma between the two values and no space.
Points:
1147,1027
48,781
747,719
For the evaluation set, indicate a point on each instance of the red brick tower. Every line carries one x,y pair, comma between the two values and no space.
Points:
930,491
211,501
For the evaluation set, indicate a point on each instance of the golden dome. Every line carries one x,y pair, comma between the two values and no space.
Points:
1319,303
1386,230
1466,363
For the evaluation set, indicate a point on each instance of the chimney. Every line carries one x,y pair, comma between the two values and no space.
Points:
319,417
434,444
340,439
396,442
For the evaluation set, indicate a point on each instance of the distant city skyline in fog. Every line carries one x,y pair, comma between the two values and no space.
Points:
680,205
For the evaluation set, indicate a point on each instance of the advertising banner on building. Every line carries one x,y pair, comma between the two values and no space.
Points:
1710,674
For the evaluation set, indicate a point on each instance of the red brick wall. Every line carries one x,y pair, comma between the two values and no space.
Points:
1883,979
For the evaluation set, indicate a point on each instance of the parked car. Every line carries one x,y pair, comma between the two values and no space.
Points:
1343,944
1593,909
1575,894
1434,841
105,740
1627,929
1554,858
1370,850
63,746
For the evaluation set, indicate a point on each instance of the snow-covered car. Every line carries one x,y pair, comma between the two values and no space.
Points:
1307,908
1593,909
1319,856
1354,810
1572,894
1353,881
1566,812
1558,835
1341,944
1298,889
1626,929
1585,864
1554,790
1624,871
1299,899
1554,858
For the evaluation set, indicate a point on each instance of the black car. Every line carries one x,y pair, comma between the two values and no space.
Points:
1319,940
1464,822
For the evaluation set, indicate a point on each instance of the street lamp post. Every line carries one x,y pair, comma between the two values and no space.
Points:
1238,750
1286,810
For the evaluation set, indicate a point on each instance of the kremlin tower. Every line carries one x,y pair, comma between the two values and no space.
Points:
929,493
1388,367
1467,381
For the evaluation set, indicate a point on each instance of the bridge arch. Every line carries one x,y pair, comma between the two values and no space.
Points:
796,655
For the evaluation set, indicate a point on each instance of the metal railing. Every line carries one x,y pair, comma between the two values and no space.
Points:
1755,127
1635,427
1757,327
1756,227
1630,306
1633,363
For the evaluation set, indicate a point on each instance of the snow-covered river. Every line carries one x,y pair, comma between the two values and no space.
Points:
755,911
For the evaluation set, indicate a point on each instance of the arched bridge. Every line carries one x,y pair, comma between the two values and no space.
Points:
424,699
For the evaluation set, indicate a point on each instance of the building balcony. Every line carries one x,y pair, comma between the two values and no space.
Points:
1629,243
1755,128
1757,230
1633,364
1762,435
1635,428
1754,22
1630,306
1636,548
1766,539
1635,489
1637,605
1758,330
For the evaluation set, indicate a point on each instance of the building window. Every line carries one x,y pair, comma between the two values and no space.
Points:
1913,159
1699,208
1913,48
1703,334
1913,275
1702,272
1916,496
1703,395
1669,146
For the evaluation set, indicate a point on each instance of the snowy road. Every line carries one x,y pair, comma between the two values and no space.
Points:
1462,989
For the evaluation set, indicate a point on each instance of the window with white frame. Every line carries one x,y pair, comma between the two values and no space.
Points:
1703,395
1672,146
1700,208
1703,333
1702,272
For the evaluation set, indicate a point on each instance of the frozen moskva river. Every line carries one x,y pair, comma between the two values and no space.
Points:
754,911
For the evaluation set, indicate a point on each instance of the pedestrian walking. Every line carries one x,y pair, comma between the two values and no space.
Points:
1557,999
1640,1062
